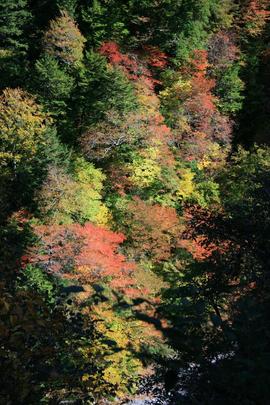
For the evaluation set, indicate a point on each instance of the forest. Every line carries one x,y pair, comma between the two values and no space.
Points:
134,202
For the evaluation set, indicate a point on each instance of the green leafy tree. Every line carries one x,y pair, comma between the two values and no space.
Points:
68,5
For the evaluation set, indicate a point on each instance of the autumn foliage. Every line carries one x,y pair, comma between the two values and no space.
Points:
154,229
64,41
86,253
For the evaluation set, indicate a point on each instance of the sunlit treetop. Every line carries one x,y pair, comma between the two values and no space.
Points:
22,127
64,41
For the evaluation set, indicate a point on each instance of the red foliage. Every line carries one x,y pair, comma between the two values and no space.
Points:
196,248
86,253
200,105
205,121
257,7
133,65
155,57
129,63
199,61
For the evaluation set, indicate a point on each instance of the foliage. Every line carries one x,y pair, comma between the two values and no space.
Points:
23,127
116,341
223,294
26,138
154,229
87,253
34,279
53,85
100,88
130,220
64,199
64,41
14,18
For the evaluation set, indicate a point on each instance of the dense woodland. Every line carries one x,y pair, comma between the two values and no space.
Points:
134,200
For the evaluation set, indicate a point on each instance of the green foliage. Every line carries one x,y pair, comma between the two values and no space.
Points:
53,85
102,21
101,88
241,181
35,280
67,5
15,16
229,89
196,18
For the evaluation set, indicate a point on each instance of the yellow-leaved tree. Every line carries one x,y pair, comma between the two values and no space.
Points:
75,197
22,128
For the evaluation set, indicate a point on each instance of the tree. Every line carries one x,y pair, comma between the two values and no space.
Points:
100,88
64,41
224,297
152,229
14,18
53,85
225,64
76,197
28,144
68,5
102,140
86,253
197,19
256,15
23,129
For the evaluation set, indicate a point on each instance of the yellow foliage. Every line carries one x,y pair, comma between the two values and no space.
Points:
147,99
214,158
22,128
65,199
144,169
178,91
186,185
114,349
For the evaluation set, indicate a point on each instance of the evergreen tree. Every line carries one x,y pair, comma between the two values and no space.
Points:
15,16
53,85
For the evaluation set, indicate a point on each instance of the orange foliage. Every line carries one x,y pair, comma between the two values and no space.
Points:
133,65
154,229
256,16
201,103
86,253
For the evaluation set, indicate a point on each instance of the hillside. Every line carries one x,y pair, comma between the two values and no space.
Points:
134,202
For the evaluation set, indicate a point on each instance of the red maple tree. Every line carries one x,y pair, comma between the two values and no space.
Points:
86,253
